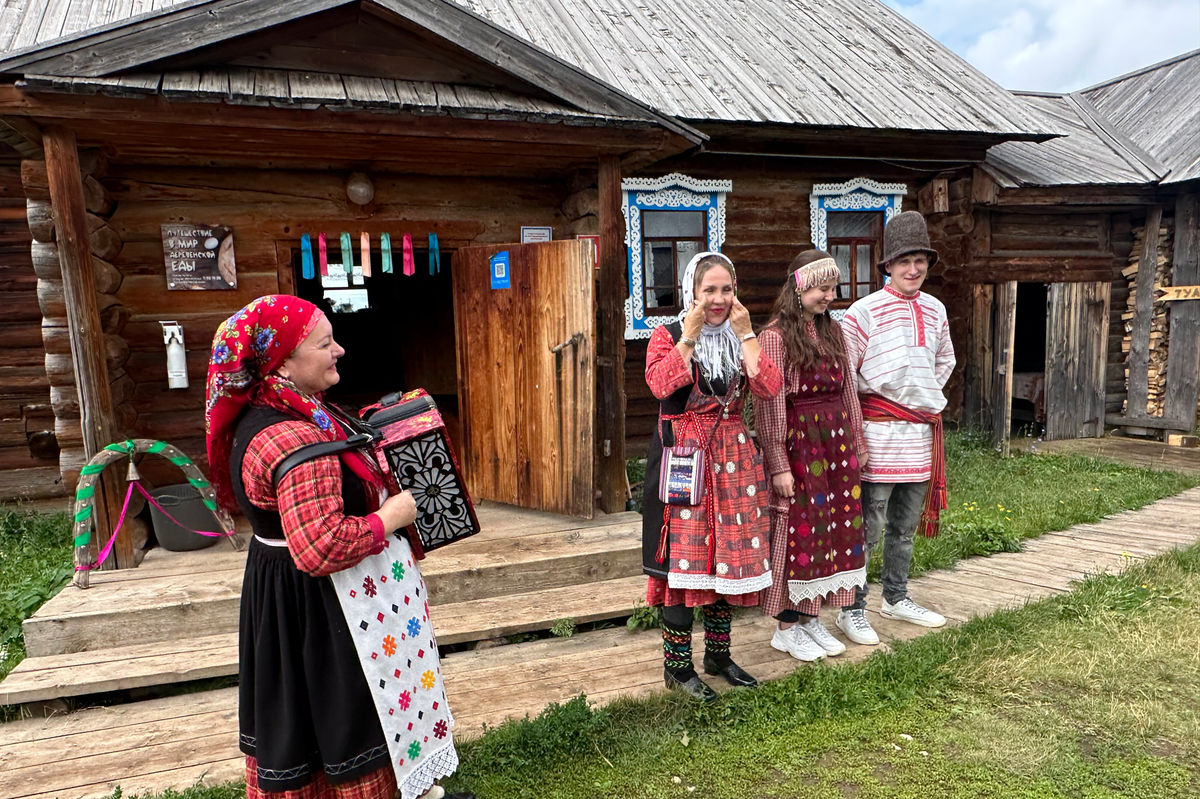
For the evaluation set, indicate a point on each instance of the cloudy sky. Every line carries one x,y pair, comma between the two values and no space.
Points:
1058,45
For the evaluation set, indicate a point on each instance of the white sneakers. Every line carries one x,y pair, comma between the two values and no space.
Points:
820,634
797,643
907,610
856,627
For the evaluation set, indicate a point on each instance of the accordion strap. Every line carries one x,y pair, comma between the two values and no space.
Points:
319,450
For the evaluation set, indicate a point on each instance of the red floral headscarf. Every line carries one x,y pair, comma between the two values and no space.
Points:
247,349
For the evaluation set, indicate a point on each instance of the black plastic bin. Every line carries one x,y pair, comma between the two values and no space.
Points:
185,504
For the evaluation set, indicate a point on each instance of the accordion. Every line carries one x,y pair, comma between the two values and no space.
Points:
408,439
413,449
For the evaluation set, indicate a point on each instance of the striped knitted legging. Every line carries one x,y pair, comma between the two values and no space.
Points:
677,634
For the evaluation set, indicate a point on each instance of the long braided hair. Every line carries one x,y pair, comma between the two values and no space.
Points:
787,316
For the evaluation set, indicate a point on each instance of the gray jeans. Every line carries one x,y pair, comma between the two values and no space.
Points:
891,511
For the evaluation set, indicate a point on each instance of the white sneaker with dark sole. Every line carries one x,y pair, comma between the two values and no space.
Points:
823,638
909,611
797,643
856,627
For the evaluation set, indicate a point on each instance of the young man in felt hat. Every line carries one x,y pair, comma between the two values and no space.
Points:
898,344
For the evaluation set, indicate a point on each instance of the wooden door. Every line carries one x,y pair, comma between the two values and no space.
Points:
1076,355
979,368
526,361
1004,325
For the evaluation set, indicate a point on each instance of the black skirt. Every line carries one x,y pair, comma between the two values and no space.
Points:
303,701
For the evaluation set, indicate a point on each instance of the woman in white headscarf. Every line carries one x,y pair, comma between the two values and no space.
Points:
711,554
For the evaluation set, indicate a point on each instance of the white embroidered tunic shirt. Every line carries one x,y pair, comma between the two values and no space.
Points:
899,347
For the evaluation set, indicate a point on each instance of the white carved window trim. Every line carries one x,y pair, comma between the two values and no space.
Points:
672,192
859,194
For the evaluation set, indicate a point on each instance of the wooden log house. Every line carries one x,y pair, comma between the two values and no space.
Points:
757,129
1076,242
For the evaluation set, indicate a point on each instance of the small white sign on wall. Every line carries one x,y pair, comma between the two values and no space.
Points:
533,234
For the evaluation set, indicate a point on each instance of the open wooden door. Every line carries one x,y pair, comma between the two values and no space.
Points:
526,372
1076,355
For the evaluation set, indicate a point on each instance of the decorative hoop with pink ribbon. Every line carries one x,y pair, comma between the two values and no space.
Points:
85,496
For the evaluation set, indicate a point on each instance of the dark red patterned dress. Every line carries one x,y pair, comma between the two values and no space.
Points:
718,549
814,428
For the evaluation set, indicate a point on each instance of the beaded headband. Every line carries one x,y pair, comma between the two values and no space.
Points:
817,273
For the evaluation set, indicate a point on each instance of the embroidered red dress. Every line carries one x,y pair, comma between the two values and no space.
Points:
719,548
814,429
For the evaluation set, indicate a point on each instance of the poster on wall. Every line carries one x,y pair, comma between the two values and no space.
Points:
199,257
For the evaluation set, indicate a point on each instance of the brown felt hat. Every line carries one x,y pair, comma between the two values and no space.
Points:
906,233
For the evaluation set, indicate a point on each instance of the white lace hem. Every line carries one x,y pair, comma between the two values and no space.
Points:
722,585
441,763
804,590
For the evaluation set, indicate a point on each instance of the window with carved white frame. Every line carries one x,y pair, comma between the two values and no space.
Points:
667,221
857,236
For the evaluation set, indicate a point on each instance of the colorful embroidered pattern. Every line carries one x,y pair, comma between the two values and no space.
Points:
383,598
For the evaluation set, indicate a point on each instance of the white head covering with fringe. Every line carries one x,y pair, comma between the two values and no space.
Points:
718,350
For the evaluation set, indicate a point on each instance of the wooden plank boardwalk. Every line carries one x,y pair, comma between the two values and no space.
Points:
1130,451
173,742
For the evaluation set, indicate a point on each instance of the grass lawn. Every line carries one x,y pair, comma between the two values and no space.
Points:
35,562
1090,695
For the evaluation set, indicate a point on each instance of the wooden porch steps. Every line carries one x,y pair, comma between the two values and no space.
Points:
197,593
94,671
524,571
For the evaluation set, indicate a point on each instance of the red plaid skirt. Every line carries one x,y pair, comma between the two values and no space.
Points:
719,548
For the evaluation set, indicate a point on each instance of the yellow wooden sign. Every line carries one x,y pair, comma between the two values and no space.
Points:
1172,293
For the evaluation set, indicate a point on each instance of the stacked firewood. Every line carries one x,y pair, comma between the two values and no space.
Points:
1157,371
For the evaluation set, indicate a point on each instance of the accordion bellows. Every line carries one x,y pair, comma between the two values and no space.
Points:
415,451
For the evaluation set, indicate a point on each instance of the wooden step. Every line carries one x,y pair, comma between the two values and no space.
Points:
38,679
198,591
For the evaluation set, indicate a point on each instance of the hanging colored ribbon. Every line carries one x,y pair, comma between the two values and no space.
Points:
306,258
435,255
410,266
347,253
322,254
385,251
364,246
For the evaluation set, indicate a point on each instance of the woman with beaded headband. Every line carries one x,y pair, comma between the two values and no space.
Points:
713,554
811,435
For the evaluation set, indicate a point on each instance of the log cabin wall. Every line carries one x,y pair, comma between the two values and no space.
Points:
105,244
268,211
767,224
28,446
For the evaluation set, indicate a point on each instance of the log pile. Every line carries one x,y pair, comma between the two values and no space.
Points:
1157,371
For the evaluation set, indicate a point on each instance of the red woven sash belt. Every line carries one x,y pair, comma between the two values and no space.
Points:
881,409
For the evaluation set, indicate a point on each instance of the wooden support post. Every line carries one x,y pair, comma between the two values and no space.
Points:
1004,329
610,342
83,322
979,372
1143,315
1183,354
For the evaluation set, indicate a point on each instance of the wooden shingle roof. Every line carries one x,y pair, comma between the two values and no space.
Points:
1089,154
825,63
1158,108
1143,127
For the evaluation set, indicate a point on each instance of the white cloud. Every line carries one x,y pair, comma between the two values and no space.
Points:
1058,45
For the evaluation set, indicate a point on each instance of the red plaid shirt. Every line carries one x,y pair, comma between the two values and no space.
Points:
320,536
